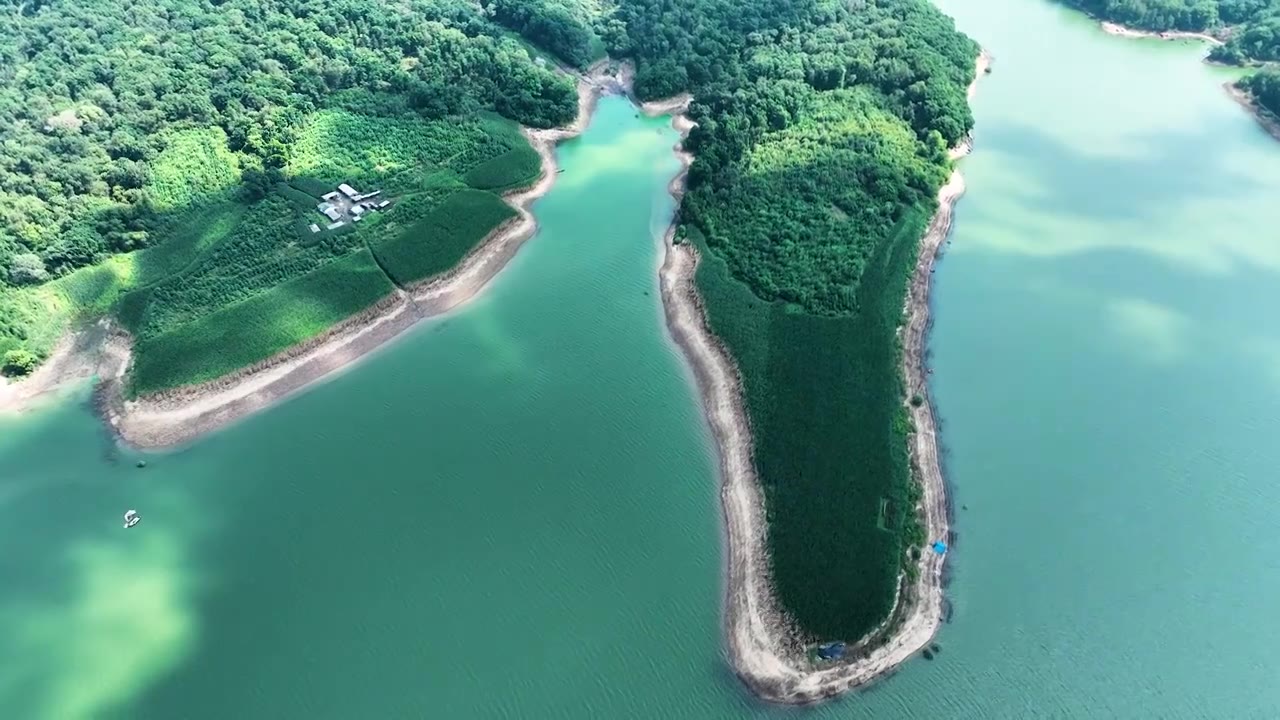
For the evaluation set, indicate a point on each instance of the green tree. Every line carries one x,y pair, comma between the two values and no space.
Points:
18,363
26,269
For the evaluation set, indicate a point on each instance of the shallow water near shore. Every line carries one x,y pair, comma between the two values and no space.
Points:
512,511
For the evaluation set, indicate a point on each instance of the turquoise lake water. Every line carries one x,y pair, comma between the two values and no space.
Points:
512,511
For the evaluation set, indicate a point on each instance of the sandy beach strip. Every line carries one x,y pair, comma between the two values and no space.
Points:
1111,28
175,417
762,644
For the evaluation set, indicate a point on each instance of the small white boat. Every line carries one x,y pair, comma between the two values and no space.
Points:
132,518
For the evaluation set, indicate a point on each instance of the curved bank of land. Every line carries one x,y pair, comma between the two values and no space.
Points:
1265,118
173,417
766,652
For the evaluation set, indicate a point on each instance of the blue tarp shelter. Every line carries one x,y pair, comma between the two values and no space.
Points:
939,547
831,651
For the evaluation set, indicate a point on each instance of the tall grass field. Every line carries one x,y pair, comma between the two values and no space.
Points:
824,395
246,332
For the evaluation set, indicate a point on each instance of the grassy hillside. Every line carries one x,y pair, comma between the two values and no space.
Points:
258,261
234,275
242,333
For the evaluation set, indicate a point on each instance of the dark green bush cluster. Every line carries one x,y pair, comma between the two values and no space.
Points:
514,168
1264,86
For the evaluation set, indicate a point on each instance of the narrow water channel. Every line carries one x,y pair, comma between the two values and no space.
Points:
512,512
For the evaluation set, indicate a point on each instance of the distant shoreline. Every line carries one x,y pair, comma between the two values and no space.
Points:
1111,28
761,643
1265,118
178,416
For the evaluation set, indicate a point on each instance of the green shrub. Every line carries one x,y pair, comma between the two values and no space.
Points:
304,202
339,146
312,187
131,309
31,319
19,362
194,164
181,239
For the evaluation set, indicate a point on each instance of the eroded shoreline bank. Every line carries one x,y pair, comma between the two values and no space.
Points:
179,416
1264,117
762,645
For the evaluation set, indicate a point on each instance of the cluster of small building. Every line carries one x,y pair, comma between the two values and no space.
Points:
347,203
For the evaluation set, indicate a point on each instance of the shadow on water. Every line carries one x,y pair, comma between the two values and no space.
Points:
105,612
1142,186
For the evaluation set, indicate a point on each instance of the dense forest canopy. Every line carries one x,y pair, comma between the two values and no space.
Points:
562,27
92,93
788,96
1251,28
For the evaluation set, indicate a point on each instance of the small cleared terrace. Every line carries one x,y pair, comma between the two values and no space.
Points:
348,205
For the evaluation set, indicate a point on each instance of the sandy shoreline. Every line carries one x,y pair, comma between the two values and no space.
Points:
179,416
761,644
90,350
1116,29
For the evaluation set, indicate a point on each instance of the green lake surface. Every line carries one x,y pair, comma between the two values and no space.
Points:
513,511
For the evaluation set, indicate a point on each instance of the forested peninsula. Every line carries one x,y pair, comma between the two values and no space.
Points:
163,164
821,141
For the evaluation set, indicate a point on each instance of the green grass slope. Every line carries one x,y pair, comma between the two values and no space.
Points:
243,333
441,238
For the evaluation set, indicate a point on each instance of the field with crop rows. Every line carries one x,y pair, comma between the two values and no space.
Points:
825,399
243,333
339,146
441,238
221,269
262,251
515,168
